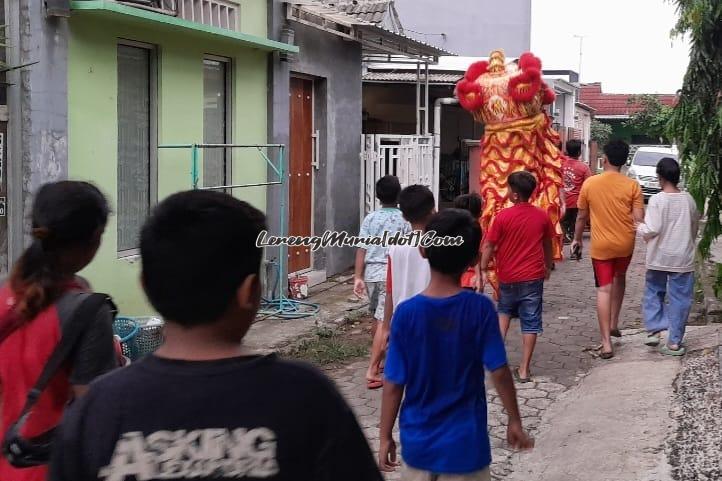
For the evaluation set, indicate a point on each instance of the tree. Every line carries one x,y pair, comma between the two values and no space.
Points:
652,117
696,122
600,132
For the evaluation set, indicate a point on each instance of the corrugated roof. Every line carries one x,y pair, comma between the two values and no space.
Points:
373,11
614,104
375,36
407,77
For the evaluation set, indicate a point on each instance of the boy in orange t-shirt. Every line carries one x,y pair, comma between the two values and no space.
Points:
614,203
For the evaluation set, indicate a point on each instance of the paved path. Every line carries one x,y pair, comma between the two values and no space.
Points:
560,360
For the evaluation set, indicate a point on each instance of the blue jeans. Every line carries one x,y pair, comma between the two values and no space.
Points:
523,300
678,289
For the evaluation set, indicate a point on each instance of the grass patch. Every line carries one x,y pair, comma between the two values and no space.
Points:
328,347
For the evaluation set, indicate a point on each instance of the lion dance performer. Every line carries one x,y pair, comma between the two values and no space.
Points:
509,100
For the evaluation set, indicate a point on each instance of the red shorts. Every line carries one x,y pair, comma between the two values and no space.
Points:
605,271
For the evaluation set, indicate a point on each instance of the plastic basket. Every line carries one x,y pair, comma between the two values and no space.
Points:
127,330
149,338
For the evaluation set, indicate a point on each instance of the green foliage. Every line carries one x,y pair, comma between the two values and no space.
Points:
600,132
653,117
696,122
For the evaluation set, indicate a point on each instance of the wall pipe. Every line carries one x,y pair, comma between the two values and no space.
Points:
437,140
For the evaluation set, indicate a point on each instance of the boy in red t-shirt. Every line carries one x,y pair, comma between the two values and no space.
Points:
521,240
574,173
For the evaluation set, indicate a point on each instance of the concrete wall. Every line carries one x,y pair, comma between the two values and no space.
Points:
471,27
335,66
38,148
93,129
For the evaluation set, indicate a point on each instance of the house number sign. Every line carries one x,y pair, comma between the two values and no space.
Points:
2,206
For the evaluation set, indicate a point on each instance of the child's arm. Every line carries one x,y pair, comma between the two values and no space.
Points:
548,256
504,385
390,403
652,223
359,287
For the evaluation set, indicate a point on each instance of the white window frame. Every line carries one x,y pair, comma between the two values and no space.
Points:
230,118
152,136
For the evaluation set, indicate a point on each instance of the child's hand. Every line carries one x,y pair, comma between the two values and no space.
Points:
387,455
359,287
517,438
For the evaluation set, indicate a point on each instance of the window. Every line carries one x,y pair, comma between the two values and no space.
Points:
216,121
136,142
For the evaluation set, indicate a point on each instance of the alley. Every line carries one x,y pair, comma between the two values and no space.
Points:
562,355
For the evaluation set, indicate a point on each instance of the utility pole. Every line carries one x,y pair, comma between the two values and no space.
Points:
581,47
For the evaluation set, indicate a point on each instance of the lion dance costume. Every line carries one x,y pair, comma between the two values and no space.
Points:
509,100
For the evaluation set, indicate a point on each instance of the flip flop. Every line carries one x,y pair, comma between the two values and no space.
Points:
520,379
606,355
373,385
652,340
615,333
681,351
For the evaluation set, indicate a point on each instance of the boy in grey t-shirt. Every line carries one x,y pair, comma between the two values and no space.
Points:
670,229
370,266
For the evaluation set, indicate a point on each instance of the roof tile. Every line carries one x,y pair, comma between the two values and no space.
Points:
614,104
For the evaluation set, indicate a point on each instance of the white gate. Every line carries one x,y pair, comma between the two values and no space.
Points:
408,157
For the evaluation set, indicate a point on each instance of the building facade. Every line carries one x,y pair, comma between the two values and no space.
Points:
114,83
469,28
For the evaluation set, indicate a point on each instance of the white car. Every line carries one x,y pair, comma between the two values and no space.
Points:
643,167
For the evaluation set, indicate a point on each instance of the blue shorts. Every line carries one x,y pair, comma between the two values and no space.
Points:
523,300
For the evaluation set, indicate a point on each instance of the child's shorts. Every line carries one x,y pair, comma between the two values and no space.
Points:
377,298
523,300
412,474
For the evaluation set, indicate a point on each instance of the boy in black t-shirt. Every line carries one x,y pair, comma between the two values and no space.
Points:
201,407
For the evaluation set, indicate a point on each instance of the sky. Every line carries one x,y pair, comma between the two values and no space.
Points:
627,45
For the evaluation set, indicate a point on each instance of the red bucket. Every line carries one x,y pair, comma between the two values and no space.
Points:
298,287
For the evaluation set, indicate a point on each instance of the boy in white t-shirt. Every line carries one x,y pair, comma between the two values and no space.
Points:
670,229
407,272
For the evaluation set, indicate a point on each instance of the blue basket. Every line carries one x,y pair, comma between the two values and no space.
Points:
127,330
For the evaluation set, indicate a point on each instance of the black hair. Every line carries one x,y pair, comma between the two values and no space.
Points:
197,248
471,202
454,260
65,214
617,152
668,169
574,148
387,189
522,183
416,203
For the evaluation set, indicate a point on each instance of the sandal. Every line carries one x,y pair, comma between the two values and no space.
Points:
615,333
372,384
666,350
652,340
606,355
520,379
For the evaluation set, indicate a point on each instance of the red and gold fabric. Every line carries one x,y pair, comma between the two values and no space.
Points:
509,100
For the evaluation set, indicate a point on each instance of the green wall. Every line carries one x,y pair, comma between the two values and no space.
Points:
92,105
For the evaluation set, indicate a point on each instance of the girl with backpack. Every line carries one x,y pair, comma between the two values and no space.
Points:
39,306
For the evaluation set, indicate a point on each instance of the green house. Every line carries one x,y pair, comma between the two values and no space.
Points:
114,81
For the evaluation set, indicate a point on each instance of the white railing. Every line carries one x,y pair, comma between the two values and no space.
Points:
215,13
408,157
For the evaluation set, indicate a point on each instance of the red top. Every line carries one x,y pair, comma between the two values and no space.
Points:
575,172
23,355
518,234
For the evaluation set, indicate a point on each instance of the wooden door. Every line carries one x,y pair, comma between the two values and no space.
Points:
300,173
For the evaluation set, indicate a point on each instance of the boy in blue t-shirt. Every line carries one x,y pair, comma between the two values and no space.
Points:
441,341
370,265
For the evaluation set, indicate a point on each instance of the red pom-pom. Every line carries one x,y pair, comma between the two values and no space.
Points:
476,70
525,86
529,61
469,95
548,95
